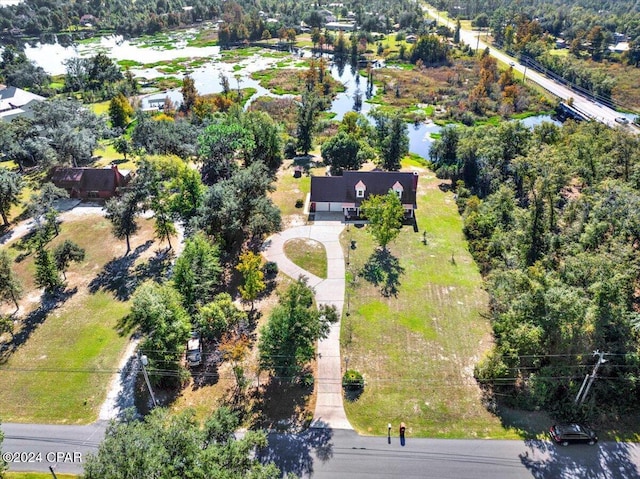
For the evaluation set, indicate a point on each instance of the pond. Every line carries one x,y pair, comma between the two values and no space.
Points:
51,57
206,77
532,121
355,84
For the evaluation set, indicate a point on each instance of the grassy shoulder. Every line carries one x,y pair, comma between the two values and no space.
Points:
417,349
65,351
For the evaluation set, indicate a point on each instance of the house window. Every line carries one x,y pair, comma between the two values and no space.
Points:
359,193
360,189
398,189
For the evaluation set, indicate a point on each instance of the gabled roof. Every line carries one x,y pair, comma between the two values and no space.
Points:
343,188
88,179
12,98
327,188
99,179
67,176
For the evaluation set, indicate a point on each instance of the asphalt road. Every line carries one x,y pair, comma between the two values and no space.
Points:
595,111
35,447
343,454
339,453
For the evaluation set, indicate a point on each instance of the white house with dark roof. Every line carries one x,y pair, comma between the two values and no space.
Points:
347,192
15,102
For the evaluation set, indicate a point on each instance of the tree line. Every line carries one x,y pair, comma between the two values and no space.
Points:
244,20
552,221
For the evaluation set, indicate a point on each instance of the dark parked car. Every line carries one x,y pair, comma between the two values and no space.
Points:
568,433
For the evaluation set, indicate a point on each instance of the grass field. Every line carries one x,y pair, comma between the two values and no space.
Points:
290,189
64,355
417,349
100,108
310,255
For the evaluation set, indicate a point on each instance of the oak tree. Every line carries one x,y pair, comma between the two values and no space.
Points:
10,286
11,186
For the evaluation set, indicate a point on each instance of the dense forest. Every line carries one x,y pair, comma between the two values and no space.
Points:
552,218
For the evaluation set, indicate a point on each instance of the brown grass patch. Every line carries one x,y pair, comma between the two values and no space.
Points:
66,348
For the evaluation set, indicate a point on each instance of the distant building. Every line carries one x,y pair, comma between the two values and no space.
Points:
15,102
91,183
337,26
619,37
619,47
327,15
88,21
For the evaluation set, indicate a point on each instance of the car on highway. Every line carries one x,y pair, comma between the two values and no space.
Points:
622,120
565,434
512,64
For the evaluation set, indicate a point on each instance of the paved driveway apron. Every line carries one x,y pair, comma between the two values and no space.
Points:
329,407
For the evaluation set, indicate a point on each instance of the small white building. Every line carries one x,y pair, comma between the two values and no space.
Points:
15,102
337,26
619,47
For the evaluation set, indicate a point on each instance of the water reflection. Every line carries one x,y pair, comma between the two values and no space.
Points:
420,140
52,56
207,77
532,121
346,101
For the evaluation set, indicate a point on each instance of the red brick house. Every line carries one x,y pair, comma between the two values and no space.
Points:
91,183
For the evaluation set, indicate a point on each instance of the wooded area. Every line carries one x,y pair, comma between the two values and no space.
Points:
552,219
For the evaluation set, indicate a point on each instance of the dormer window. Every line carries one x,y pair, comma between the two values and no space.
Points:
398,189
360,189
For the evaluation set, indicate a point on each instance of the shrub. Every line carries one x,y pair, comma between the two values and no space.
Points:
352,380
299,203
290,149
270,269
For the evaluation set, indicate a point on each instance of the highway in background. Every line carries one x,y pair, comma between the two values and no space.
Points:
593,110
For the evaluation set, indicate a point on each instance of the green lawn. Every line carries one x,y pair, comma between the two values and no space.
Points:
417,349
290,189
310,255
100,108
61,372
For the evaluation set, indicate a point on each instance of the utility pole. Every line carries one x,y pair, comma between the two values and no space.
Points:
143,362
588,379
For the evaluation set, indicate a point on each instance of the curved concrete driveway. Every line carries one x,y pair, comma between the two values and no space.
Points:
329,407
